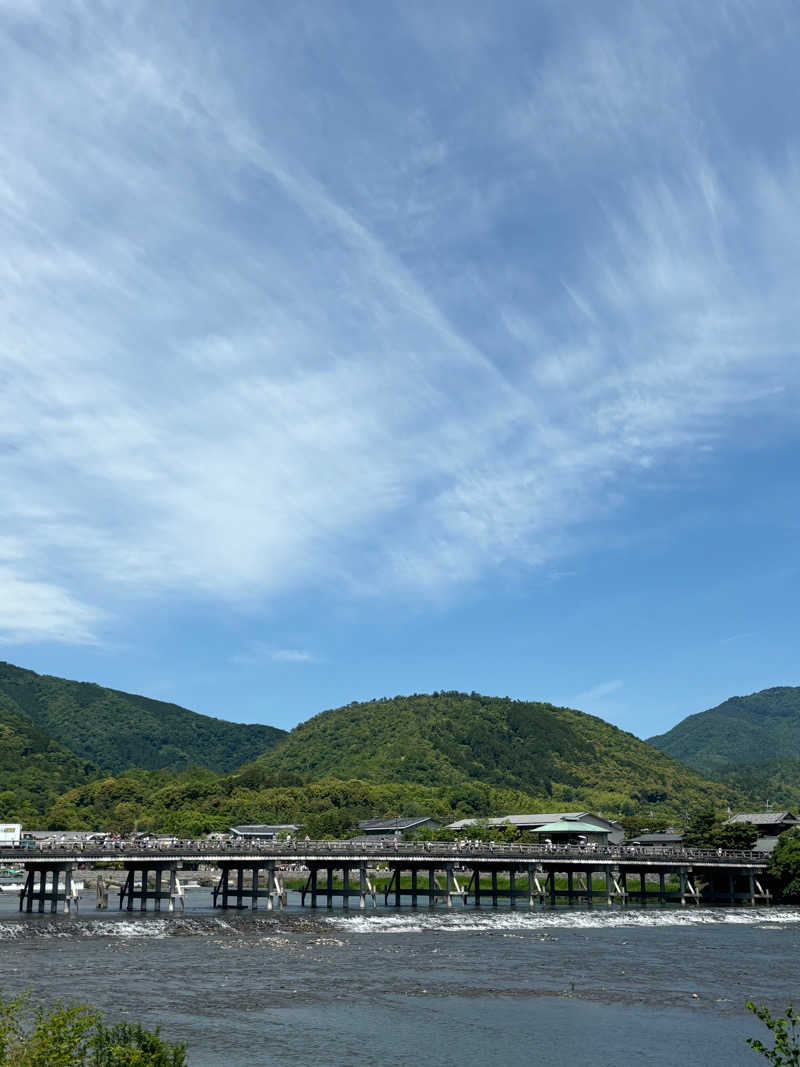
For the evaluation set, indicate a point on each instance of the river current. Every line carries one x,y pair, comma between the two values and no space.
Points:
468,987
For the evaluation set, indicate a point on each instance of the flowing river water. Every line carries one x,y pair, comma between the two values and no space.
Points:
464,987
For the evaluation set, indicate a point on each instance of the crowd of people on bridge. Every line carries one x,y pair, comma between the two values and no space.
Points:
220,842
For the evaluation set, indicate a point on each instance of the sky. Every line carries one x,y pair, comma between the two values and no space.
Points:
357,349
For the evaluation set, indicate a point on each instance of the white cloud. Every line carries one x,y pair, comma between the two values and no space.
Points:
231,366
292,655
598,692
33,611
261,651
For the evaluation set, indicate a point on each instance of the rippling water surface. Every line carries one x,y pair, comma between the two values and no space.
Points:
466,987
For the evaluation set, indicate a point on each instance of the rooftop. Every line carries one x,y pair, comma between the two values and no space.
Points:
399,823
521,820
263,828
568,826
763,818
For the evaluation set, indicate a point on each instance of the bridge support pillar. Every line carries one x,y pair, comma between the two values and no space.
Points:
101,893
130,891
48,892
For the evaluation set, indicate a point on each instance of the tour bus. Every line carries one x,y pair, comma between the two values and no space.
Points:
10,834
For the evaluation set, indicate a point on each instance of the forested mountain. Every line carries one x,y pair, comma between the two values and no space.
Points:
34,769
446,754
68,752
751,742
115,730
558,755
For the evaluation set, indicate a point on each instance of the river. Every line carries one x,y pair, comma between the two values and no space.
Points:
659,987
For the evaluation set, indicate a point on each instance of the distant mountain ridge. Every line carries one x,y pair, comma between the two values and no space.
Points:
751,742
465,740
114,731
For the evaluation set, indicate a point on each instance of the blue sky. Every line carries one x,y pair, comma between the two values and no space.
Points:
355,349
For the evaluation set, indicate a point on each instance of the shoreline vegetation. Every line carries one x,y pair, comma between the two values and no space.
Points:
75,1035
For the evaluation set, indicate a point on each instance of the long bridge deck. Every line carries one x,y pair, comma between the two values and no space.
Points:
431,872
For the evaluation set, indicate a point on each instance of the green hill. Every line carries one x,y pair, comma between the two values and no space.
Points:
558,756
751,742
115,730
34,769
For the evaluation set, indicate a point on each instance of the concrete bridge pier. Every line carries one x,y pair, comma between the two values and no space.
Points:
233,891
474,886
49,889
310,887
536,890
131,891
366,887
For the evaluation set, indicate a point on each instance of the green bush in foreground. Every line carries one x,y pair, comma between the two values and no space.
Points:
74,1035
786,1050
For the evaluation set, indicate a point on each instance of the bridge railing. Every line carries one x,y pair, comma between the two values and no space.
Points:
380,849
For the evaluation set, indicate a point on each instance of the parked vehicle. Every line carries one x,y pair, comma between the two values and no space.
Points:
10,834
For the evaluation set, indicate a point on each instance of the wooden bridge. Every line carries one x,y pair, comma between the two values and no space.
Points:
431,873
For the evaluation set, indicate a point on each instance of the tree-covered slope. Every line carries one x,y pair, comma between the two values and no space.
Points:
560,755
34,769
751,742
738,732
116,730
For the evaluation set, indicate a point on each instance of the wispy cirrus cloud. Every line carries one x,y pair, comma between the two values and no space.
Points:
236,363
261,652
598,692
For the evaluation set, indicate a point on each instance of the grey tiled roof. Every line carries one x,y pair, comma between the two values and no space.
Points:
395,824
763,818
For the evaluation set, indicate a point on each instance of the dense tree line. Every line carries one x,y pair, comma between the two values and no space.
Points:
561,756
112,730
